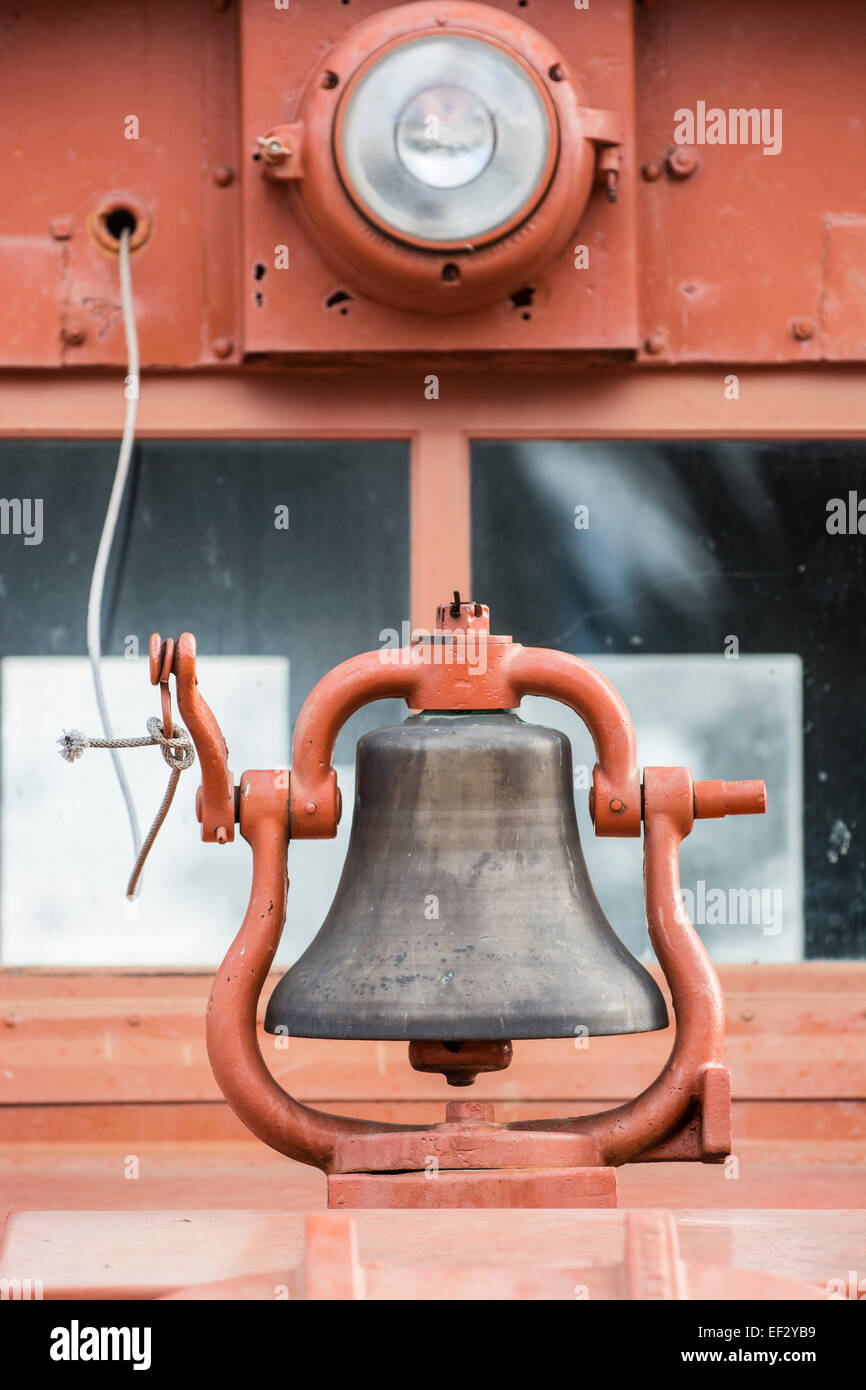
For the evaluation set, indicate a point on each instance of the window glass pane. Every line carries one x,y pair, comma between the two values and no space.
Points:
273,609
706,574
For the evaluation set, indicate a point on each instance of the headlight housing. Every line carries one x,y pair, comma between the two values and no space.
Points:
442,155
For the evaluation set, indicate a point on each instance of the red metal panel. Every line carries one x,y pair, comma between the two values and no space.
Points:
76,78
710,287
31,314
843,298
732,256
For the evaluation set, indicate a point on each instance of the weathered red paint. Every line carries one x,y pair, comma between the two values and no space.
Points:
795,1034
675,260
475,1187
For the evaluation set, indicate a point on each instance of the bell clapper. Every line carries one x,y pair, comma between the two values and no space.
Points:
460,1062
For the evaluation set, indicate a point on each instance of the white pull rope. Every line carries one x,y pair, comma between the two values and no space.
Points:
106,540
178,752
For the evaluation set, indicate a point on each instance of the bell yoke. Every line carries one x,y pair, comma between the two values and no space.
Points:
464,919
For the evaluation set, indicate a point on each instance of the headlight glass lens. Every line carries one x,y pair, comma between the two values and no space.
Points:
445,139
445,136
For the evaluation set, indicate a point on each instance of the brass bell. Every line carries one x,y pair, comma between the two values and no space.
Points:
465,909
464,918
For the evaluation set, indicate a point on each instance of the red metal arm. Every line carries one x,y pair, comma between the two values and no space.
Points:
694,1083
432,675
241,1074
215,804
615,803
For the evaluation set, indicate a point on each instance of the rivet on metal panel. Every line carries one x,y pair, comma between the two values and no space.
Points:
223,347
223,175
803,329
651,171
683,163
74,333
61,228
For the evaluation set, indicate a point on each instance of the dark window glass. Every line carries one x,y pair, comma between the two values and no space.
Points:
688,544
197,550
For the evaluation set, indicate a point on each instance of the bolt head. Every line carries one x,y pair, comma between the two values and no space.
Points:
74,333
683,163
654,344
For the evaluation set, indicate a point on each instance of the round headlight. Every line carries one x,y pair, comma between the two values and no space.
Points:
445,140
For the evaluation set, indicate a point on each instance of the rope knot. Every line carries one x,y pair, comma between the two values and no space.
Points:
178,750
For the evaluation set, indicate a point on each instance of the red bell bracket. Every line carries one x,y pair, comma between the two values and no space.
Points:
685,1114
216,801
460,666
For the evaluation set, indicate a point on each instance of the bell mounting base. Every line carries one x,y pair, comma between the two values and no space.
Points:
470,1161
492,1187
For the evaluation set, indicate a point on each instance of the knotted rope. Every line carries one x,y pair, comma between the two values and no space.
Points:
177,751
